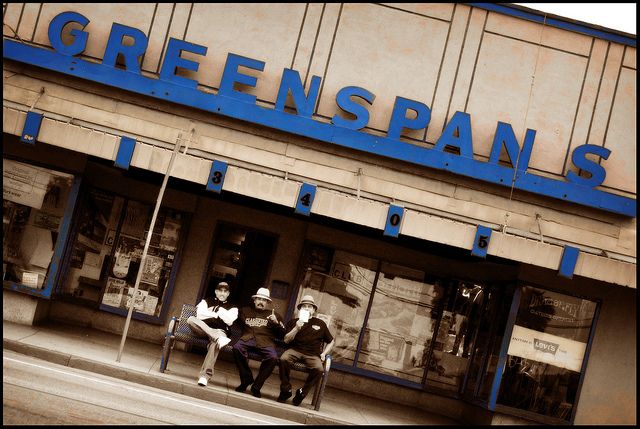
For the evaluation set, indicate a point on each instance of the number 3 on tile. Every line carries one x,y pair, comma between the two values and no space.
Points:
305,199
216,176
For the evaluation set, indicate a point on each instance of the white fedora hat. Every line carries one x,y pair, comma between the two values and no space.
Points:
307,299
263,292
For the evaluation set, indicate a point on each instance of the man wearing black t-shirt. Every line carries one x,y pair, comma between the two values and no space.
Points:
260,327
305,336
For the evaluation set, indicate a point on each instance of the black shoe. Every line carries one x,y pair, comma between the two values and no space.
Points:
242,387
284,395
298,398
255,392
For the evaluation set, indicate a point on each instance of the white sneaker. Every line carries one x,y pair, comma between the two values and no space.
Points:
223,341
202,381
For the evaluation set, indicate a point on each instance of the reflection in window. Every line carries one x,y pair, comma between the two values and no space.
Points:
454,340
342,297
546,351
33,205
400,322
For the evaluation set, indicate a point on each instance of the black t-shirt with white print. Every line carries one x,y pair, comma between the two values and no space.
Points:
310,337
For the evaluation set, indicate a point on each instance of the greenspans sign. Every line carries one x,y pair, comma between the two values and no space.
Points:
343,130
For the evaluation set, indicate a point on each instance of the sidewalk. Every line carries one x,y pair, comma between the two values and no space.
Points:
96,351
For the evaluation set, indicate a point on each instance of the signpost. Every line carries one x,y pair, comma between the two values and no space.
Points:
143,258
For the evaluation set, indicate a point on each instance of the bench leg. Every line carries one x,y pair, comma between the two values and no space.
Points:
317,397
166,352
168,345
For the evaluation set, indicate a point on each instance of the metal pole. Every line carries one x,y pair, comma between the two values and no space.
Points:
146,244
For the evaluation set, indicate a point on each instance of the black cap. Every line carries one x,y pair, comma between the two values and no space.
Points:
223,285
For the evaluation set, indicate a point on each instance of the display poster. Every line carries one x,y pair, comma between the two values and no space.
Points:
150,304
170,235
114,292
152,269
139,300
547,348
24,184
135,219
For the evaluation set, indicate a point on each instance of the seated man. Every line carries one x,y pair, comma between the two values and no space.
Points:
305,336
260,327
213,318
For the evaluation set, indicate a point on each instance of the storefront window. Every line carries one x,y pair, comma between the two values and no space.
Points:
106,252
34,201
455,337
546,352
400,323
343,291
491,321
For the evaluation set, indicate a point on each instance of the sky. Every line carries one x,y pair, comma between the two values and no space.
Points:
616,16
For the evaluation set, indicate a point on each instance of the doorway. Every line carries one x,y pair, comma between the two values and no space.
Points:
242,257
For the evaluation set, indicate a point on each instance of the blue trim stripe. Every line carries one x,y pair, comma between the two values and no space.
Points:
565,25
504,348
394,220
305,199
568,261
216,176
125,152
31,127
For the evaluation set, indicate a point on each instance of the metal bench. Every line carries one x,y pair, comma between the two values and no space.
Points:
180,331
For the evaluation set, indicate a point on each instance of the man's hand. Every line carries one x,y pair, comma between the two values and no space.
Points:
272,317
323,356
300,323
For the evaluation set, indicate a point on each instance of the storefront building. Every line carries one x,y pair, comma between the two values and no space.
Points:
455,184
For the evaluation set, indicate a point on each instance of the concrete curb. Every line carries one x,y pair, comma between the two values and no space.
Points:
212,394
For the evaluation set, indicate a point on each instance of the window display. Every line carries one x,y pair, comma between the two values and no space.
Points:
546,352
33,207
106,253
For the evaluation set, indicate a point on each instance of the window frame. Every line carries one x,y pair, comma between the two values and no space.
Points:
168,294
493,405
56,266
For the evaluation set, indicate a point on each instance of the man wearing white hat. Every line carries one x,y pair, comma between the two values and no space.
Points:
213,317
260,326
305,336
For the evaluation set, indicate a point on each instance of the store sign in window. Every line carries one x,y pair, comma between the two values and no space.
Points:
33,206
543,347
546,353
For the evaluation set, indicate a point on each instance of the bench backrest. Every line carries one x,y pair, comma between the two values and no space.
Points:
183,331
